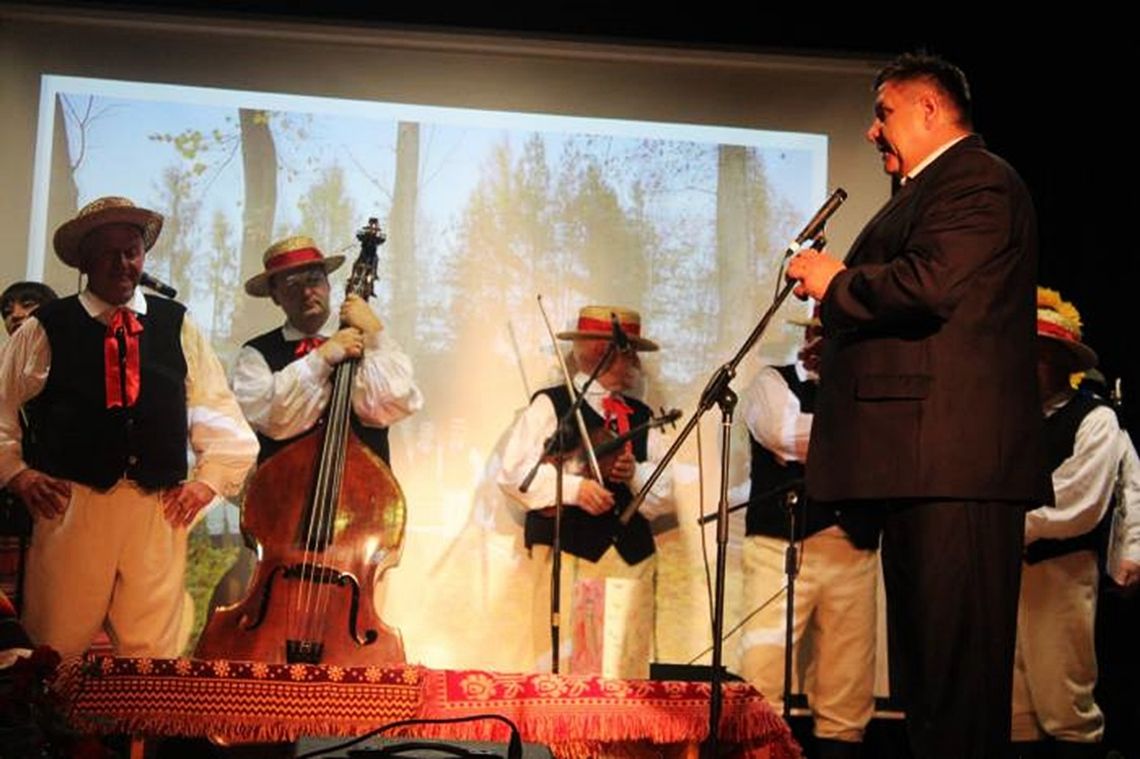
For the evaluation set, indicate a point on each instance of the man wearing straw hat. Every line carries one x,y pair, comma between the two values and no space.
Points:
607,571
117,382
283,378
1055,663
835,601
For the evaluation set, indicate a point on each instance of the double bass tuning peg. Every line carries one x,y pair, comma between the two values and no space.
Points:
371,232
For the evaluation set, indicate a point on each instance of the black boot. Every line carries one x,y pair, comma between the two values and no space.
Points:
825,748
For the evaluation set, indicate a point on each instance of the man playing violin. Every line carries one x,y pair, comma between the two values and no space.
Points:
607,566
116,383
283,378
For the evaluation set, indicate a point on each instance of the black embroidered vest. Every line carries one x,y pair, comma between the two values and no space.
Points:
772,481
1060,437
585,535
76,436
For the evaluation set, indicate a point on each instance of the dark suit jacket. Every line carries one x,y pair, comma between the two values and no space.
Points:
928,384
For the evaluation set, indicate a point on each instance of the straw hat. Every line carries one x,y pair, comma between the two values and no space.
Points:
99,213
286,255
1059,322
595,323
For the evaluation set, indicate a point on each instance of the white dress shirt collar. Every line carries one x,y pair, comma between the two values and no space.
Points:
101,310
595,390
292,334
932,157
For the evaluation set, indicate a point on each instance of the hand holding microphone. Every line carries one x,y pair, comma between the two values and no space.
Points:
812,268
814,271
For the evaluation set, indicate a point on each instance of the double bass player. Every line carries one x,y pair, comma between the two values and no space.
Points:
323,507
282,379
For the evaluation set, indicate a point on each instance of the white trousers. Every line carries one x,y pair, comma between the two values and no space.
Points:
833,638
111,561
606,616
1054,670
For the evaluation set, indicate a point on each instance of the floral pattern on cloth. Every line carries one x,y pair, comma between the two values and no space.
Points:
577,716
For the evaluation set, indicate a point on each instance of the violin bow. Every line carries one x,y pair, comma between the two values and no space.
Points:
582,431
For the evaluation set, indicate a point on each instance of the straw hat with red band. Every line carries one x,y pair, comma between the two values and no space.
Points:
286,255
595,323
1059,322
99,213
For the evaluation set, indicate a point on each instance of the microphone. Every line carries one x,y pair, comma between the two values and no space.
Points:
813,228
621,340
157,285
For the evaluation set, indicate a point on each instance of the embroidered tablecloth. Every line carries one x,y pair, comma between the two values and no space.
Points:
576,716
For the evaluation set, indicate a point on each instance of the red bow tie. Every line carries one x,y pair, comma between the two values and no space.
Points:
618,410
307,345
121,359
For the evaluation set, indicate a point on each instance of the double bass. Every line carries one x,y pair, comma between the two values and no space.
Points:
326,519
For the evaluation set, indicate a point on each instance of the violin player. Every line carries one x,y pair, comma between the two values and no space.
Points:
116,382
601,558
282,379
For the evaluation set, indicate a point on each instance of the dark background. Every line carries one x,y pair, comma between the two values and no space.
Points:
1050,96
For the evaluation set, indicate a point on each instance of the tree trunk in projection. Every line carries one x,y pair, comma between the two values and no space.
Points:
63,199
259,166
732,255
401,246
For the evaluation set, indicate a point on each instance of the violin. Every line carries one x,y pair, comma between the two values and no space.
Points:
609,445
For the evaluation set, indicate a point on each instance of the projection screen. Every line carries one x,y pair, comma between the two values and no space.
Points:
502,168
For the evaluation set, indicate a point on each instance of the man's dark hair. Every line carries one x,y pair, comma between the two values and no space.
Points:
25,292
941,73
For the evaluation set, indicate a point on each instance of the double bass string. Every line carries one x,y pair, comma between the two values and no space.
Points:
338,429
321,529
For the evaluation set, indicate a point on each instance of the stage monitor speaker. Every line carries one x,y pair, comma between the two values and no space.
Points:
377,747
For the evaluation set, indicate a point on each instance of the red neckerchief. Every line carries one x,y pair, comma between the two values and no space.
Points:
617,410
121,369
307,345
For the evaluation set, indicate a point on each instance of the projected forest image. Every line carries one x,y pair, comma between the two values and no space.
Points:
483,211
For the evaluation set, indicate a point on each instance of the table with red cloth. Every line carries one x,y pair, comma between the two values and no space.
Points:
576,716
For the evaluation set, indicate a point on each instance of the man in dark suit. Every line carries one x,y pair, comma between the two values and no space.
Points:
926,402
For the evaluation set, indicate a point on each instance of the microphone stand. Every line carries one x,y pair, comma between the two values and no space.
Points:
557,442
769,493
792,570
717,392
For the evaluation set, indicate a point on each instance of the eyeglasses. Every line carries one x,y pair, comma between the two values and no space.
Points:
299,280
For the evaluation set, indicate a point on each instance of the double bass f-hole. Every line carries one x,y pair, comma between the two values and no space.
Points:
325,575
